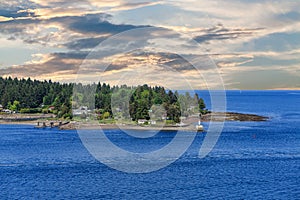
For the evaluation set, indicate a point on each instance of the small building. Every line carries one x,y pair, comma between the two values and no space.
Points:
142,121
51,108
82,110
7,111
1,107
153,122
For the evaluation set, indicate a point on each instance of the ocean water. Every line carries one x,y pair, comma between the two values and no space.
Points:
252,160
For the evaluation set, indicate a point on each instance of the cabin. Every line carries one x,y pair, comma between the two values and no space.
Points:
51,108
142,121
82,110
152,122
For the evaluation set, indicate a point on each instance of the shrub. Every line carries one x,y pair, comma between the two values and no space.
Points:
30,110
45,111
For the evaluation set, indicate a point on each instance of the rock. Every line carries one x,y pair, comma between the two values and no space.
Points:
232,116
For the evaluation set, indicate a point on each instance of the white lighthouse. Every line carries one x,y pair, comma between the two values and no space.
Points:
199,127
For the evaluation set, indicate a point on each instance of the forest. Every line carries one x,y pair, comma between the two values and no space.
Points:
123,102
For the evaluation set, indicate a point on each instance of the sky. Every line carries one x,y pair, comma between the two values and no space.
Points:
180,44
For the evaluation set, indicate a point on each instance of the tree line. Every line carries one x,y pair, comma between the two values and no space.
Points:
138,102
33,96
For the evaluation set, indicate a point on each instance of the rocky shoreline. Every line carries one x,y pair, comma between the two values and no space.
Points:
233,116
95,126
190,122
24,118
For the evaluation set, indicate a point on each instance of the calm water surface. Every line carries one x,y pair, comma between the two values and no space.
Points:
252,160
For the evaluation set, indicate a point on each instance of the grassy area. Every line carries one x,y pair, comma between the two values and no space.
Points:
107,121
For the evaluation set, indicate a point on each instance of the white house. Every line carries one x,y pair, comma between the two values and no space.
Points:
7,111
142,121
82,110
153,122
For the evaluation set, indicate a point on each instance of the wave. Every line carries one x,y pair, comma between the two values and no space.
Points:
294,93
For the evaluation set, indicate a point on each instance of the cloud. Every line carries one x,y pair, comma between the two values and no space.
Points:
238,13
112,5
15,13
219,32
4,19
240,36
59,8
94,24
279,42
257,18
57,3
16,4
67,31
84,43
48,13
164,59
17,27
47,65
262,79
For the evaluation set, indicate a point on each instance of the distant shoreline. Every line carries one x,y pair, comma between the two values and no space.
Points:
33,119
26,119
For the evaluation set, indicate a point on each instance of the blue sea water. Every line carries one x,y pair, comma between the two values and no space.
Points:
252,160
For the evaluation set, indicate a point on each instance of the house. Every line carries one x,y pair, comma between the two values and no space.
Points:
7,111
142,121
51,108
152,122
82,110
1,107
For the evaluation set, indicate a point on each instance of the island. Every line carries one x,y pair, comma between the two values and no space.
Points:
74,105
